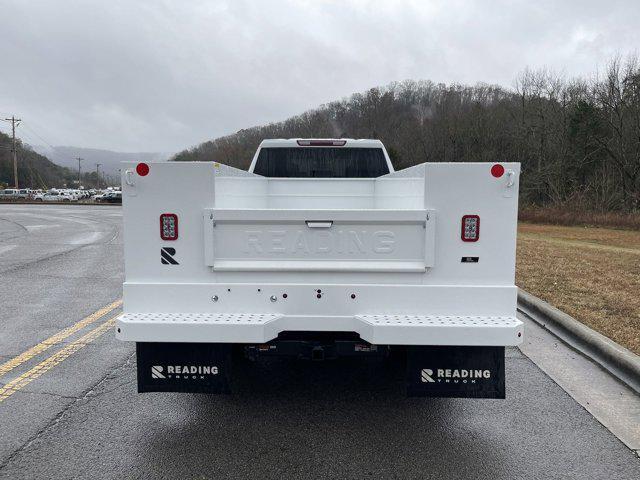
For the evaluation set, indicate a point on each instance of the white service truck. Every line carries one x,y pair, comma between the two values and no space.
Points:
319,251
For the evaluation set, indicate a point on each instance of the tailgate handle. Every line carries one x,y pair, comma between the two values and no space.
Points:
319,224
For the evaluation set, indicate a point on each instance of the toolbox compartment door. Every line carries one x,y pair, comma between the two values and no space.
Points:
365,240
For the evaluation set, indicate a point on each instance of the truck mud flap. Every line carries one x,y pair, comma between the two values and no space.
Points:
461,372
183,367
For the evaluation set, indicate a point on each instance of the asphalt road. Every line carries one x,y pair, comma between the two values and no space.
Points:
69,407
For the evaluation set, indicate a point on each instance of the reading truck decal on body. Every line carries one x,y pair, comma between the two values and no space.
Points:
302,242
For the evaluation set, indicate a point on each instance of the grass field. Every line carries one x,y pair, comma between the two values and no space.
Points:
593,274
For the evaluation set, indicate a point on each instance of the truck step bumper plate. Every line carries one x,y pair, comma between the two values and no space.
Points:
375,329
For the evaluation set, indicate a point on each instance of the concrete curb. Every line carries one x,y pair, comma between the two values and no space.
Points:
620,362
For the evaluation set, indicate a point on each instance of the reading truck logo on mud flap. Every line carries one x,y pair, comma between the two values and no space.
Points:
186,372
453,375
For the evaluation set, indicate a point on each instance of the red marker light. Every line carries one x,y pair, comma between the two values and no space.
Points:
142,169
169,226
497,170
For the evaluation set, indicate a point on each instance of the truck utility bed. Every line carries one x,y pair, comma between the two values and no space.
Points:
382,257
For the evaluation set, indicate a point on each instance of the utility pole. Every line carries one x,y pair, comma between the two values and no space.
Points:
98,174
79,160
14,123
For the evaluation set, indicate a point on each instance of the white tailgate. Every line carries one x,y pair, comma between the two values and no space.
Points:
319,240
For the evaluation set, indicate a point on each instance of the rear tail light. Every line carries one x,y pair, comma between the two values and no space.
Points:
169,226
322,143
470,228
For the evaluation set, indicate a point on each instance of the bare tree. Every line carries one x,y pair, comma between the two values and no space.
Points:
578,140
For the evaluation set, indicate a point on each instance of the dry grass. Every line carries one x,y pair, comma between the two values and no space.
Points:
575,216
593,274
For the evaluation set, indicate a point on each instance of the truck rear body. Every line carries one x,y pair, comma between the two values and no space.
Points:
421,258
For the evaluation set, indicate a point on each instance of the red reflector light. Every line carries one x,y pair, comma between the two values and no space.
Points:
497,170
470,228
169,226
142,169
322,143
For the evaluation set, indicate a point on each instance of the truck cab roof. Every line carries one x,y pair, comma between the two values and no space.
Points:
322,142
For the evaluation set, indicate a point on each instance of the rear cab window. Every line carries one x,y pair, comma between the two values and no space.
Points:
321,162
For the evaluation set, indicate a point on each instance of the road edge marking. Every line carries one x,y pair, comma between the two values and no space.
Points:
55,339
47,364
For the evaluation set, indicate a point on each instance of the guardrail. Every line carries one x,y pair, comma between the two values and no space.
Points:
620,362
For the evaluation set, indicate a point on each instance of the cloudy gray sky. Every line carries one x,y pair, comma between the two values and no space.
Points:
153,75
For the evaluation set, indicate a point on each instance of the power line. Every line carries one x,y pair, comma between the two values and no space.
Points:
36,134
32,136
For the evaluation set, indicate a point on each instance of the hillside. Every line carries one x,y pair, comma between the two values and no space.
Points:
578,140
34,170
109,160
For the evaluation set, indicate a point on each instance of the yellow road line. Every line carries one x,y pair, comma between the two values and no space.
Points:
26,378
57,338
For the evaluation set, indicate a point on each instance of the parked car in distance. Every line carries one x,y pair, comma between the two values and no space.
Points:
81,193
71,194
54,196
9,193
111,197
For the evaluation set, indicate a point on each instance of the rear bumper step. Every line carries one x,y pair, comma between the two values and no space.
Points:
375,329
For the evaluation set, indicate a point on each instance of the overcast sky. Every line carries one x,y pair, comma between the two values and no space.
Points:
152,75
